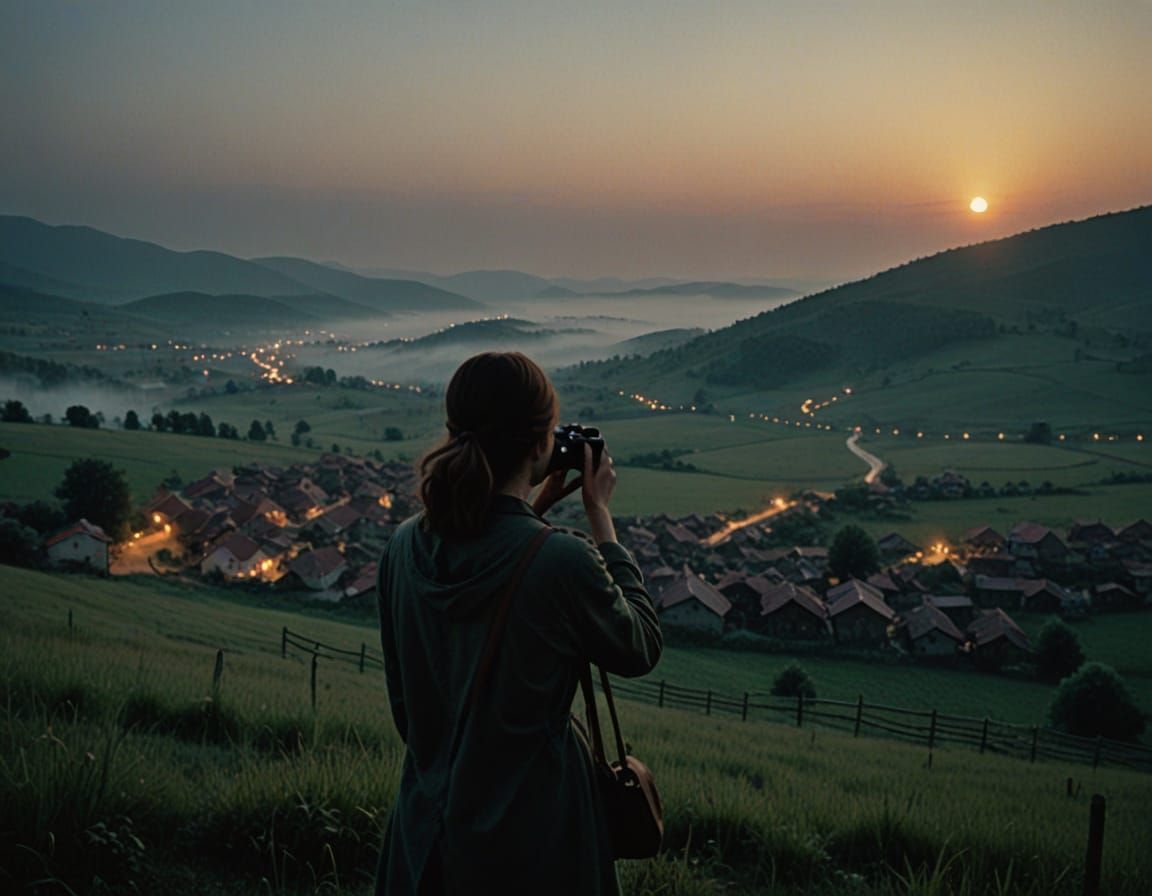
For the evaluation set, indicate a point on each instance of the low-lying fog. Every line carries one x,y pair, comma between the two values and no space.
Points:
595,327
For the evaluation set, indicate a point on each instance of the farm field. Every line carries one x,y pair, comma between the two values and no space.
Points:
752,808
40,454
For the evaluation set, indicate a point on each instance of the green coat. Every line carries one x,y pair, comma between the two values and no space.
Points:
512,809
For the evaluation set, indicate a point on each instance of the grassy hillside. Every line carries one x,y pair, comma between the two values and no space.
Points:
40,455
1071,294
245,790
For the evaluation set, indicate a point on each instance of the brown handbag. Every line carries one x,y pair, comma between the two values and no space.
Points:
627,787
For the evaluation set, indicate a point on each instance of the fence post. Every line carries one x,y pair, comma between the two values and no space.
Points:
1094,859
1035,737
283,642
312,680
660,698
984,736
744,711
1096,753
859,715
69,621
363,647
799,710
931,737
217,673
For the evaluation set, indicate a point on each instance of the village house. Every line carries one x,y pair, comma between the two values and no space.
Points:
957,607
1139,578
1044,596
80,544
1001,565
1090,532
319,569
984,539
337,520
659,579
236,556
164,512
1031,541
691,603
896,545
996,591
1141,530
745,593
996,640
792,611
929,632
1114,596
859,614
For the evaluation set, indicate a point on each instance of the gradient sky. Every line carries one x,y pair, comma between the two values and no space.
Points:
688,139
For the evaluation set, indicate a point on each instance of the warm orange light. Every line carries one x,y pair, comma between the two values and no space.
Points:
979,205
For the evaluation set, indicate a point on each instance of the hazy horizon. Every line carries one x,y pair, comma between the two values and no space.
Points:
732,140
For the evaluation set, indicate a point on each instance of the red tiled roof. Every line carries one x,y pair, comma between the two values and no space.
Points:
992,625
1029,533
238,544
341,517
927,618
779,596
689,586
170,506
847,595
317,564
80,527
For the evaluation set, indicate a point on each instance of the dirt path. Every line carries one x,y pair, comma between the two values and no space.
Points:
875,465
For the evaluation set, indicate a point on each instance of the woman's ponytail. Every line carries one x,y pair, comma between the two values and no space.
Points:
498,406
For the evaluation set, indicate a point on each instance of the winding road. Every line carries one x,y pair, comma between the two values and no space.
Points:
875,465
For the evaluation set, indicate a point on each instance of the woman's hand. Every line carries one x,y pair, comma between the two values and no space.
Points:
598,487
554,489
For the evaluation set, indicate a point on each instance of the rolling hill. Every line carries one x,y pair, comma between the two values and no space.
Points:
1089,282
200,311
377,293
88,264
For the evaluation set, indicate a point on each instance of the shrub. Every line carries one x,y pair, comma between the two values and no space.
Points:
793,681
1094,702
1058,651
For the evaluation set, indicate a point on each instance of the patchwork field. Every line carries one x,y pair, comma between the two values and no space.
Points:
244,777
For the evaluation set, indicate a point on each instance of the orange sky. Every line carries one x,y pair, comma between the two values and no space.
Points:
673,137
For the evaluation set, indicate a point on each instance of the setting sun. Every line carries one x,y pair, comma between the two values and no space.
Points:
979,205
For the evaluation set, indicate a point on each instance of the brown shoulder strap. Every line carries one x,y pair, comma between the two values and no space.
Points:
594,716
500,618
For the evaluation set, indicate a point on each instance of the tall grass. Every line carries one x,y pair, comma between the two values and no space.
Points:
121,769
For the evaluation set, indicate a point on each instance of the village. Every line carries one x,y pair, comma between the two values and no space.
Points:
316,531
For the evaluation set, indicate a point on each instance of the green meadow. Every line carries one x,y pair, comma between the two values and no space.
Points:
123,763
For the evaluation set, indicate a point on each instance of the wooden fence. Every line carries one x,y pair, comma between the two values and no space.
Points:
928,728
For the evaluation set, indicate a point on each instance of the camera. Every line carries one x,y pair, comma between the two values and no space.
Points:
568,450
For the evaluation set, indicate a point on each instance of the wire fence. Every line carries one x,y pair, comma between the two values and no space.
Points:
928,728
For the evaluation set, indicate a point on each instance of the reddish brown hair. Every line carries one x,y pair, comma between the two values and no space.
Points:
498,405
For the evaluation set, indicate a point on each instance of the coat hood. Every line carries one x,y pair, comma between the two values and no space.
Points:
462,577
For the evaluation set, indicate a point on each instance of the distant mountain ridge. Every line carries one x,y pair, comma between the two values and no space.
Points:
84,263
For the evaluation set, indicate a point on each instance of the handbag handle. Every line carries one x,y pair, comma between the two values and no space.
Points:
594,716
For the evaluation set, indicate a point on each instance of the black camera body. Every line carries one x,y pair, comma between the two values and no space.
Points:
568,450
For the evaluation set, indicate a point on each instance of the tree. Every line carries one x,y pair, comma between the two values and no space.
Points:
1094,702
231,388
853,554
793,681
98,492
15,412
1058,651
79,415
205,426
302,427
41,516
132,421
269,429
175,422
256,432
159,422
227,431
19,544
1039,433
393,434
